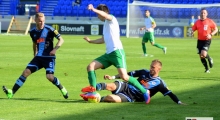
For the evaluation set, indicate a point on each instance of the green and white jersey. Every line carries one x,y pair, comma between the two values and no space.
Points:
111,35
149,22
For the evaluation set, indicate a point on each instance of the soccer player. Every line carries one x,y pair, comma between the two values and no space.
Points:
124,92
114,53
206,29
150,24
44,55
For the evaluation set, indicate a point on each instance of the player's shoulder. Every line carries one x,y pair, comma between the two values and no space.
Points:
49,27
33,29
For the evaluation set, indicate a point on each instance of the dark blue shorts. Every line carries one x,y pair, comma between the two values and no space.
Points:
42,62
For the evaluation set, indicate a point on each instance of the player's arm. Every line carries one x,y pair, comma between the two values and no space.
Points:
175,98
34,48
99,12
134,73
194,28
153,23
59,43
214,28
97,41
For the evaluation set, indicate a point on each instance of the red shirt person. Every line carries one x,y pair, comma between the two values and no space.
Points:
206,28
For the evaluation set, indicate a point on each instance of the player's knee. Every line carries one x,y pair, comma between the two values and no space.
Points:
109,98
90,67
50,77
110,86
124,77
26,72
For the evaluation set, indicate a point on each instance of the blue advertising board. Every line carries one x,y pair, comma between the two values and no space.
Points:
159,31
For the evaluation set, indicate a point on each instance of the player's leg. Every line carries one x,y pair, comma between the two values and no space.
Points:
32,67
202,54
206,48
94,65
152,41
114,98
144,40
100,62
119,61
49,65
120,93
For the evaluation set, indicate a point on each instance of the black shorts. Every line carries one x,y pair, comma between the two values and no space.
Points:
42,62
203,45
123,91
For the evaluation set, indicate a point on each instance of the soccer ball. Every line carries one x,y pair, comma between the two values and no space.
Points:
97,100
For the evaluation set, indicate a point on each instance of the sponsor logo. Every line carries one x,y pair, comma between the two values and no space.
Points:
72,29
56,27
40,40
94,29
177,32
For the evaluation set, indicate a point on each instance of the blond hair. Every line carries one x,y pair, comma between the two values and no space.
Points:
157,61
39,14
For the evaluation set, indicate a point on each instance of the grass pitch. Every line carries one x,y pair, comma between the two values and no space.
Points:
38,99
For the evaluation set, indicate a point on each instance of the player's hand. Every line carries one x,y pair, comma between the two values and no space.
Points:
53,52
209,36
107,77
141,28
192,33
87,39
90,7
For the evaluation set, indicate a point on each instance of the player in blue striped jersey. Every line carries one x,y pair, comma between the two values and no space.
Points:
124,92
44,55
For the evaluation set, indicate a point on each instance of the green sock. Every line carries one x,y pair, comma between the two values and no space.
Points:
144,48
92,78
158,45
134,82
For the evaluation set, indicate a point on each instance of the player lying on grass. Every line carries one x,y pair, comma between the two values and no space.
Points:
125,92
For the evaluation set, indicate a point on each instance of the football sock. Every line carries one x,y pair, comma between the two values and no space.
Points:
20,81
134,82
204,62
158,45
144,48
100,86
57,83
208,57
92,78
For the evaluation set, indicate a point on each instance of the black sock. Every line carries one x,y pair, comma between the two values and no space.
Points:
204,62
20,81
208,57
57,83
100,86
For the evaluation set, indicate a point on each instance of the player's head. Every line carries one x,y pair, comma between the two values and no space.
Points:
155,67
203,14
147,13
39,19
104,8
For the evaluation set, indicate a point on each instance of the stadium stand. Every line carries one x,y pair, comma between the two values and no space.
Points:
117,8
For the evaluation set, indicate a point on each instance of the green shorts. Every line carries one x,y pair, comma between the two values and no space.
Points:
148,36
116,58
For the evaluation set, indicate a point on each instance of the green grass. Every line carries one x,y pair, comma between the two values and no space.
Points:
38,99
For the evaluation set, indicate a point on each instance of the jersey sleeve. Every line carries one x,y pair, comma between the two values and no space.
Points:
54,32
135,73
194,27
213,25
152,20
